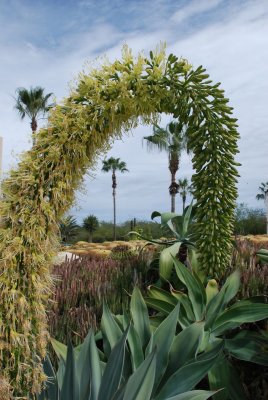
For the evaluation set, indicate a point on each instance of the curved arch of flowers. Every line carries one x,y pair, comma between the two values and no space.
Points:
105,103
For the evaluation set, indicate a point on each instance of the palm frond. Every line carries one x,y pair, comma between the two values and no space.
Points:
32,102
260,197
158,140
114,164
172,139
263,189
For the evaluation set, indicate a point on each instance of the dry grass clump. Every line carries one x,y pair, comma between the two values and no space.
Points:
254,282
245,249
99,253
5,389
94,248
254,275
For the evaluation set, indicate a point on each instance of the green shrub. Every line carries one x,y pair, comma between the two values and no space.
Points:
105,231
249,221
221,323
136,363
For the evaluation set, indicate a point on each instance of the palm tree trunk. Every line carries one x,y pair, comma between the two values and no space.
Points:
114,235
90,237
34,128
114,203
173,188
183,203
173,196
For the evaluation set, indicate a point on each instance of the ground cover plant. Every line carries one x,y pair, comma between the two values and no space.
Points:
105,103
81,285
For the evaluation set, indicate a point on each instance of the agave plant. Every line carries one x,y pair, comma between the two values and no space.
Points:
263,255
136,362
181,244
210,306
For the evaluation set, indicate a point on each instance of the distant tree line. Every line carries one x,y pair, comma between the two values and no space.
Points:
100,231
249,221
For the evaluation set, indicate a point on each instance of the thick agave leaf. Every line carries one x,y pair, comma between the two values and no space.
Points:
59,348
196,291
70,388
110,328
223,374
193,395
220,301
155,292
249,346
262,251
140,384
186,305
162,340
263,255
195,265
219,376
184,348
113,373
155,321
61,372
159,305
166,260
89,369
187,218
250,310
165,217
190,374
165,305
51,392
175,226
140,317
134,343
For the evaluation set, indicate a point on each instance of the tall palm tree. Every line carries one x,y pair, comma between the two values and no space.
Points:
171,140
32,103
184,188
91,224
263,195
114,164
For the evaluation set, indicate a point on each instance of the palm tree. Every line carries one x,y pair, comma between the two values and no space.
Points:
114,164
171,140
68,228
263,195
91,224
32,103
183,189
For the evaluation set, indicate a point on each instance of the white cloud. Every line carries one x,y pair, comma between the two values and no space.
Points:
193,8
232,44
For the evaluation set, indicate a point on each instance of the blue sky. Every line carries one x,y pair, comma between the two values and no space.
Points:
47,43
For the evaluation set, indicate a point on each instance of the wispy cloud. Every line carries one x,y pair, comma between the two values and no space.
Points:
47,44
193,8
